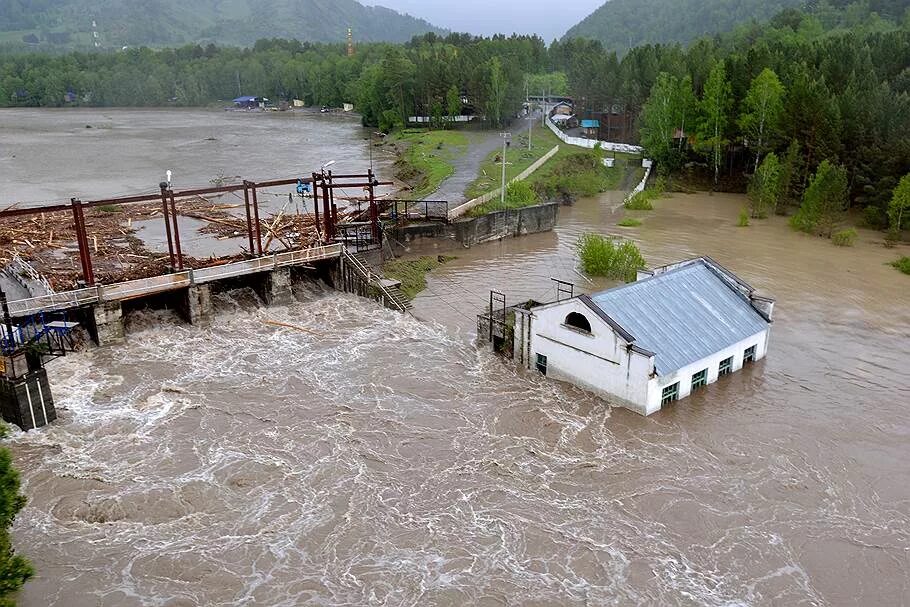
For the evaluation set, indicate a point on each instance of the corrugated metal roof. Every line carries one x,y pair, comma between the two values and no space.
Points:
682,315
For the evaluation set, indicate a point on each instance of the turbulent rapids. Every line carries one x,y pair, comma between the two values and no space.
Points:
332,452
365,457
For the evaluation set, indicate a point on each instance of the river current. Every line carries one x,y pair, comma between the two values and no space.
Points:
362,457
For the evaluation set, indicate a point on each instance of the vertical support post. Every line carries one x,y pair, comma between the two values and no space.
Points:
332,204
316,202
374,212
167,224
491,316
177,250
249,218
85,255
256,219
326,212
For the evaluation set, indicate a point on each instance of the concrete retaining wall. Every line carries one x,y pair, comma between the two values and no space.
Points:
487,228
464,208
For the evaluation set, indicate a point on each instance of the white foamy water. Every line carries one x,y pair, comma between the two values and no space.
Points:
367,458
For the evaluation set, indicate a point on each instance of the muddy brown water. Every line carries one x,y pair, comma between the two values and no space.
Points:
371,458
52,155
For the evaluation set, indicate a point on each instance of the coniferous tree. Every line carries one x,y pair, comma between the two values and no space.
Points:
823,202
15,570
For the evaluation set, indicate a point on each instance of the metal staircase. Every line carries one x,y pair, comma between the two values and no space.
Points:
372,283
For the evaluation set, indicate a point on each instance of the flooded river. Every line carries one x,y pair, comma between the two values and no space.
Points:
367,458
52,155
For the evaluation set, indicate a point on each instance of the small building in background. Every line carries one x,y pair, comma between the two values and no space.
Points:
643,345
250,102
590,128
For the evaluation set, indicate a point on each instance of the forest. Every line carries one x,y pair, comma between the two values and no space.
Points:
54,25
801,88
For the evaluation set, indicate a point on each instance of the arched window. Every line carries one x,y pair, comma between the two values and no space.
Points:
578,321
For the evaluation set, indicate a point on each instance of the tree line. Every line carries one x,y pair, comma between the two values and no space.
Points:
801,87
790,105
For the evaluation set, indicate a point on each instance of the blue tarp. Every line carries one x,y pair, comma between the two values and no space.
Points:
245,99
590,124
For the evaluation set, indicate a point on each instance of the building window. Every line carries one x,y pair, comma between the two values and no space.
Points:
670,394
578,321
542,363
726,366
749,355
700,379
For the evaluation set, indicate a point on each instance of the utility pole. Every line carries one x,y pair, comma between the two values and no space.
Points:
530,117
506,142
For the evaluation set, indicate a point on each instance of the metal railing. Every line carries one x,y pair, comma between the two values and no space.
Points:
168,282
20,265
373,279
411,210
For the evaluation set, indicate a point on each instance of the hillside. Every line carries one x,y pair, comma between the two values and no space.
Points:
52,24
621,24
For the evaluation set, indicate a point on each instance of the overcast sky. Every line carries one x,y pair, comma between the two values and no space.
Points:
548,18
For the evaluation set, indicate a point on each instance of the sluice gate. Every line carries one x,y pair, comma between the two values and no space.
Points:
40,323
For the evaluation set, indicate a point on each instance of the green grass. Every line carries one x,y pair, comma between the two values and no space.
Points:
518,158
629,222
743,220
845,238
427,161
413,272
602,256
902,264
518,195
640,201
110,208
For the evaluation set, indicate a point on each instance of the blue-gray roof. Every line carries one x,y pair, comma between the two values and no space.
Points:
682,315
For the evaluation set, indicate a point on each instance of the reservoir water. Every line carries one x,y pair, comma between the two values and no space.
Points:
370,458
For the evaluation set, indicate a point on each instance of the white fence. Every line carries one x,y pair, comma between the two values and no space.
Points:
429,119
644,180
464,208
590,143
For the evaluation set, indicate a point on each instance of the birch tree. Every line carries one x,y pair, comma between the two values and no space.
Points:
715,109
763,106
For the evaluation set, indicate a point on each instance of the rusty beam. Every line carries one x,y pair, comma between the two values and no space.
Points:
256,220
177,250
18,212
249,218
316,204
85,255
167,225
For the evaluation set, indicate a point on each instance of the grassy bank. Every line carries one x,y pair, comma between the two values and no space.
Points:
571,174
413,272
518,158
427,159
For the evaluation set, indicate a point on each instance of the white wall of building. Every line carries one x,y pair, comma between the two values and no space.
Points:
603,363
711,363
600,362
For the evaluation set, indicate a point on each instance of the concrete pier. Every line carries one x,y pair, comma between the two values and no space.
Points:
107,321
276,287
197,306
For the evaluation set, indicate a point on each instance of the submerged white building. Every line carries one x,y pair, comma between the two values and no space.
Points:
651,342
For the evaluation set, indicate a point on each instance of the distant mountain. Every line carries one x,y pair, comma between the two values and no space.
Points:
171,22
620,24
